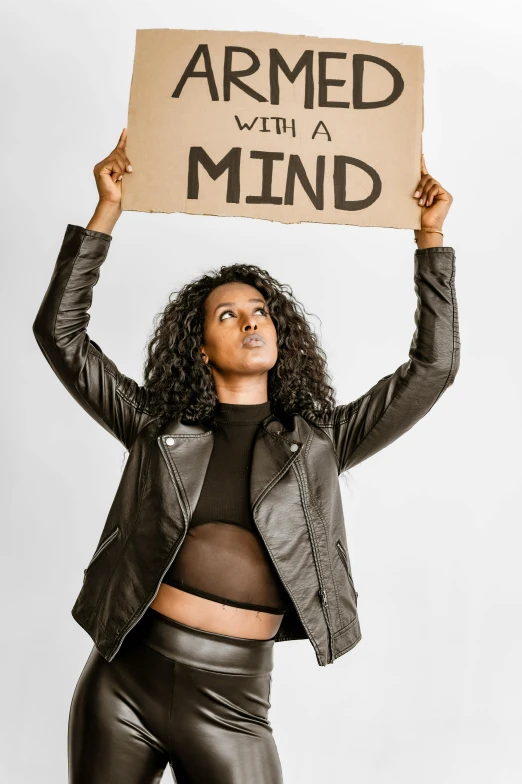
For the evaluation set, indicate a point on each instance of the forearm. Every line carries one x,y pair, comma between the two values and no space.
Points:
62,318
105,217
114,400
392,406
429,239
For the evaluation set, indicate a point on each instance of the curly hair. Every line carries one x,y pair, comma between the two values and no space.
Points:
181,385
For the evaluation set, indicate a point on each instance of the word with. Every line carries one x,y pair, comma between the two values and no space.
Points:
264,129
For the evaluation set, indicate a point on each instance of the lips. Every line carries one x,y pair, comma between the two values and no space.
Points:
253,340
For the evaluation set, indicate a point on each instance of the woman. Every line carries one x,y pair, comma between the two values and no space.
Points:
226,533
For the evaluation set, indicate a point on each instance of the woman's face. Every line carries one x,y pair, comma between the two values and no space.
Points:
235,312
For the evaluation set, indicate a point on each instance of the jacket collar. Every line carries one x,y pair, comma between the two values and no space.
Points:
188,449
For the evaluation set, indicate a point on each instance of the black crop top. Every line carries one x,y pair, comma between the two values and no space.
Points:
223,557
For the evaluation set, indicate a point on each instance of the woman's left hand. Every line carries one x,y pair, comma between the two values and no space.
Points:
434,200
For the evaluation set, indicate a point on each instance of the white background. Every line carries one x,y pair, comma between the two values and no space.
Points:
432,693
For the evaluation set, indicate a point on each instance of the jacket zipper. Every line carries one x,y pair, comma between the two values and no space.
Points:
344,560
299,613
102,547
322,590
171,560
286,587
326,610
146,607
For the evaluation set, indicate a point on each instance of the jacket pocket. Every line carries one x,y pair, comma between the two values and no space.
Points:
106,542
344,558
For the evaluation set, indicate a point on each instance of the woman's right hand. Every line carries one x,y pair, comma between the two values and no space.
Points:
109,173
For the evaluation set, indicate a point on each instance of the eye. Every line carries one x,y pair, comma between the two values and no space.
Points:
263,311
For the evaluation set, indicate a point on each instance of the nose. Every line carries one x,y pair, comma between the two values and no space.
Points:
251,324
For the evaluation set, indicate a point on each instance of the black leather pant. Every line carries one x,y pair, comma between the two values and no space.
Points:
177,695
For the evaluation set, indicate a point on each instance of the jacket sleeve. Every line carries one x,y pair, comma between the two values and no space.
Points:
396,402
115,401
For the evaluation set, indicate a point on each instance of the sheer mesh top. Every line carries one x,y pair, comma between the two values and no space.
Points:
223,557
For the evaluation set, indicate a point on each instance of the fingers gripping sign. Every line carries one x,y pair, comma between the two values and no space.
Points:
433,198
109,172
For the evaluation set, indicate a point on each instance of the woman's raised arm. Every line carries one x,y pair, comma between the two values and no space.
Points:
396,402
115,401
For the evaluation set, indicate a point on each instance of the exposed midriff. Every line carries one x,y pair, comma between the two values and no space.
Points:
222,578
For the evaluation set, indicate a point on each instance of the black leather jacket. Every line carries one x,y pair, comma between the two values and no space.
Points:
294,486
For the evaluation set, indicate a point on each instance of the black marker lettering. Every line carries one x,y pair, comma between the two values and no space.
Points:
305,61
232,77
295,167
326,131
324,83
245,125
207,74
340,163
358,70
268,159
231,161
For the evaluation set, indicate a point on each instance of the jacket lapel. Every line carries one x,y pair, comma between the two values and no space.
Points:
273,452
187,450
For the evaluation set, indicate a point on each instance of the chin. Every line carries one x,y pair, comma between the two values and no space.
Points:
258,364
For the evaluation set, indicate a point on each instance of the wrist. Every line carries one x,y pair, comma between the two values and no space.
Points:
105,216
429,238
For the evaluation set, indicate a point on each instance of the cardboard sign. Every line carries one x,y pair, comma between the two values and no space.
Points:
288,128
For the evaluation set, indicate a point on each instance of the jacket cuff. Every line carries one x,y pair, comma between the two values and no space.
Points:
430,251
89,232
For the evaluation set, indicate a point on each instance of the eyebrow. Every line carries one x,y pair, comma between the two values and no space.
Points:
222,304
